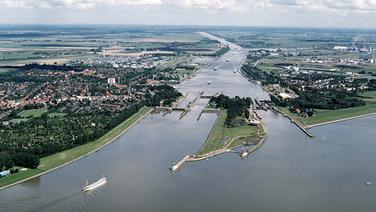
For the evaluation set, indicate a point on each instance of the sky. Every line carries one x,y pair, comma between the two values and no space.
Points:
280,13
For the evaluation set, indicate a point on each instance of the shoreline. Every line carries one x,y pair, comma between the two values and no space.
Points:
112,139
304,127
225,149
296,122
340,120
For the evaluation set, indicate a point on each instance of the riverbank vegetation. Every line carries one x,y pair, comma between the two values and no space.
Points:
43,133
323,116
317,97
52,161
237,109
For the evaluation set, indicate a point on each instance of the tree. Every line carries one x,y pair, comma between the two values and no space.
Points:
27,160
6,161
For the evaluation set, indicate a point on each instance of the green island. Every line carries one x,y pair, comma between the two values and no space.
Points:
57,160
231,129
229,137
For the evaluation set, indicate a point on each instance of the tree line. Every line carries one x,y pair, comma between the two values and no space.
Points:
236,107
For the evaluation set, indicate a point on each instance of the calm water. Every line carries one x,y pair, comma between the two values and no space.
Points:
290,172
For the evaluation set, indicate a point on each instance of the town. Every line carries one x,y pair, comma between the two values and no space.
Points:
318,83
79,99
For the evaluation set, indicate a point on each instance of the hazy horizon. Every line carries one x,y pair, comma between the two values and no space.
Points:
245,13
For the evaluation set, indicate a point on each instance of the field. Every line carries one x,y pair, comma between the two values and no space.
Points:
221,135
56,114
54,161
32,113
58,44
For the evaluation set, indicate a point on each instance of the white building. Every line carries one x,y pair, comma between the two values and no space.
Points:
284,96
111,81
341,48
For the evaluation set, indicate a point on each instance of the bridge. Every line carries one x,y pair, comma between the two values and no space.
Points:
168,109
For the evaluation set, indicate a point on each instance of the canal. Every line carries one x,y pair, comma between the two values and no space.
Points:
290,172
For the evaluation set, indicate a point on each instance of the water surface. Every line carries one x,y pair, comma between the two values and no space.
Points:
290,172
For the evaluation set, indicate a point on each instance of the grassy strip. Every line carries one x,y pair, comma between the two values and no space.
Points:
332,115
253,139
220,135
51,162
57,114
32,113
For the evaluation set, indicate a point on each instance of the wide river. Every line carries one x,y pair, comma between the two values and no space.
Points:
290,172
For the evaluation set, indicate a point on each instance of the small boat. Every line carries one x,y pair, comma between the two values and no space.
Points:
94,185
368,183
210,82
244,154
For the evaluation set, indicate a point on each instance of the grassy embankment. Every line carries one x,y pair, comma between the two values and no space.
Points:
32,113
325,116
62,158
220,136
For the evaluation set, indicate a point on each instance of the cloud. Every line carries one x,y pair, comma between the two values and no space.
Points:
77,4
357,6
360,6
231,5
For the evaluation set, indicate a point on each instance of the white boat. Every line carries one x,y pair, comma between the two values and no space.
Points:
94,185
244,154
254,122
210,82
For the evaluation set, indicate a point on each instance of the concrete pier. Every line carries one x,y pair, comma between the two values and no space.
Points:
302,128
175,167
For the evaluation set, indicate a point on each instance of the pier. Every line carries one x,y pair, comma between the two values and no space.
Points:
301,127
175,167
192,158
